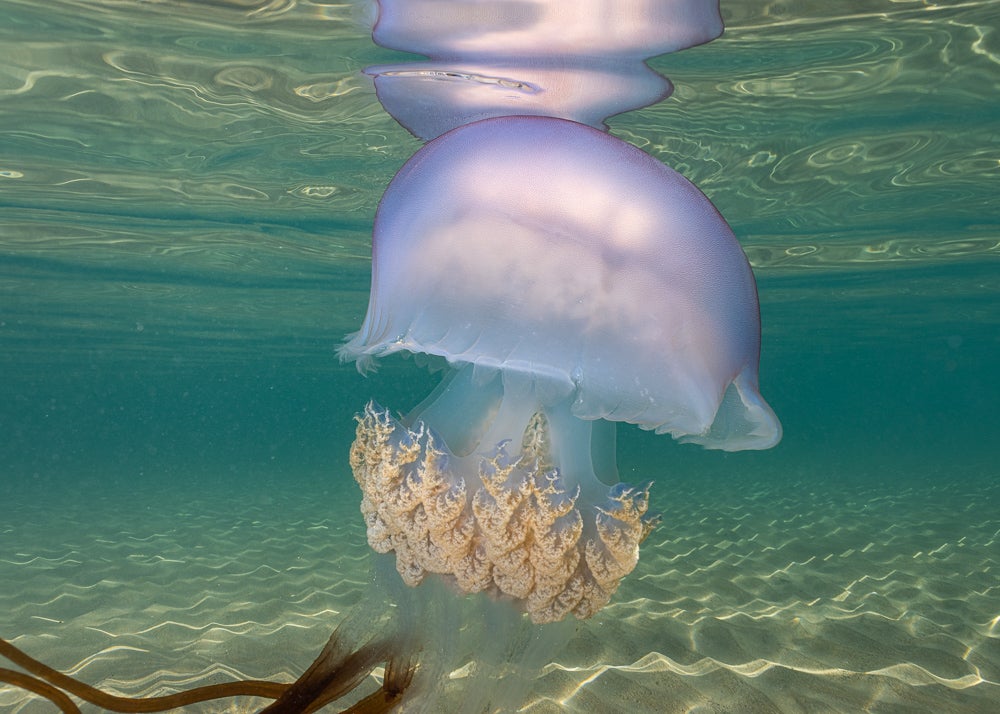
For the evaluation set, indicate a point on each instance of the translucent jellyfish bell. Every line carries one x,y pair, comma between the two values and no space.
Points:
570,280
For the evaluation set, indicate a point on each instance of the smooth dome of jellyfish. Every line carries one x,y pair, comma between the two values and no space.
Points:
570,280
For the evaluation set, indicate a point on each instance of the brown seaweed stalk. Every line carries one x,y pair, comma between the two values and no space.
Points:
337,671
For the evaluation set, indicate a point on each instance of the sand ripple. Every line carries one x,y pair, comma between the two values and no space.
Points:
151,598
798,598
787,597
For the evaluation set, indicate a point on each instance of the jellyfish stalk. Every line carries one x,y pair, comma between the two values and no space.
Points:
504,520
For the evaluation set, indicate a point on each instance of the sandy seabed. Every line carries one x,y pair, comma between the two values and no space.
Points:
751,596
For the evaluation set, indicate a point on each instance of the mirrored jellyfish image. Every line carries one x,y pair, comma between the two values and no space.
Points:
570,281
582,60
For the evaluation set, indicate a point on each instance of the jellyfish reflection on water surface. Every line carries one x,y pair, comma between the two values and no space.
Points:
575,59
571,281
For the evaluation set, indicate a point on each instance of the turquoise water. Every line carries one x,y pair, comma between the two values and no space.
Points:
186,199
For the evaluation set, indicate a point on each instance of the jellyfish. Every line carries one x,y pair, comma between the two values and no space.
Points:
569,281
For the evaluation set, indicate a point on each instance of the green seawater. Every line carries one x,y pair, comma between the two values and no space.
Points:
186,199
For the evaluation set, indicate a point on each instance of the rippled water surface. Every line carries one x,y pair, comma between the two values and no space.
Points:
186,199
